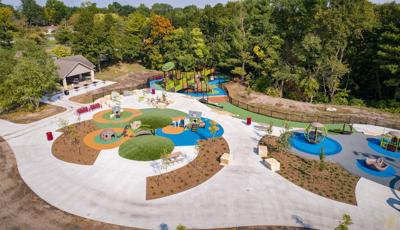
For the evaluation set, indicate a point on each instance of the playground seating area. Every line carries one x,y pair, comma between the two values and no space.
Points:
272,164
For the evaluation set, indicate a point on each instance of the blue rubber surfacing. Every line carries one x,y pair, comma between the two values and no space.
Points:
375,144
299,142
188,137
386,173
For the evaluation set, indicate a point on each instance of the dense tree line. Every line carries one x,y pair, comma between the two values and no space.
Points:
337,51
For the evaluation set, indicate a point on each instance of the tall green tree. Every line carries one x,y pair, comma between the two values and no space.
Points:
55,11
389,55
33,12
6,24
33,74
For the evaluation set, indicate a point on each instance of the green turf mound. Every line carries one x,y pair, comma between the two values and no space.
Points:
145,148
167,112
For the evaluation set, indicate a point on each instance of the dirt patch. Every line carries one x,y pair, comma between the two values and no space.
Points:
25,117
333,182
23,209
85,98
203,167
218,99
303,111
70,147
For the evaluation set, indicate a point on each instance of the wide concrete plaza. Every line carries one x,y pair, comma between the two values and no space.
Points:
241,194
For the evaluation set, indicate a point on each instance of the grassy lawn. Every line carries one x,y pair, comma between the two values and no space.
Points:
22,116
243,114
114,72
146,148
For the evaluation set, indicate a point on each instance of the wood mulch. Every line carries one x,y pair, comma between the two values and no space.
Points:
202,168
21,116
71,148
333,182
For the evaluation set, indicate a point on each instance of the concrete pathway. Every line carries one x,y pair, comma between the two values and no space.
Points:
244,193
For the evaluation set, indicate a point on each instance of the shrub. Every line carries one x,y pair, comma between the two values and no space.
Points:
274,92
356,102
284,139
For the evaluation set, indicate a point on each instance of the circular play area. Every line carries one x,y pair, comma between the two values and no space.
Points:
327,145
115,116
107,138
190,136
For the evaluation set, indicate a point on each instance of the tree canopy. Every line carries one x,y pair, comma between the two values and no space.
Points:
344,52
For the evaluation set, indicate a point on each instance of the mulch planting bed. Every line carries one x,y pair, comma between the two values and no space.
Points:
203,167
70,147
333,182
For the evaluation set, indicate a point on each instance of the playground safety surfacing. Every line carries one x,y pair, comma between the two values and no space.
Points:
93,140
127,115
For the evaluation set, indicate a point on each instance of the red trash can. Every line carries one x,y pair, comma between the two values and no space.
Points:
49,136
248,121
153,91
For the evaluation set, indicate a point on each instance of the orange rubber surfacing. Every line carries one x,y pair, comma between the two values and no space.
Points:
90,139
173,130
98,117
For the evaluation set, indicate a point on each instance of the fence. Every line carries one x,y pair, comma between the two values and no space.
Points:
308,117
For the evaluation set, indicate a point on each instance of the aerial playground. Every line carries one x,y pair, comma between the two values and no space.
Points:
204,84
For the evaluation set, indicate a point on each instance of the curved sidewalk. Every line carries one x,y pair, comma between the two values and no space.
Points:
244,193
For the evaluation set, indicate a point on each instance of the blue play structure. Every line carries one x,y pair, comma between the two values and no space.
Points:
390,171
330,146
189,137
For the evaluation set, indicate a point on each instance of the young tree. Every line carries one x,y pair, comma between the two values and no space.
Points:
345,223
322,159
213,129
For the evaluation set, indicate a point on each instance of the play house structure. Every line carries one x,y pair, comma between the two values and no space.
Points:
391,141
315,133
107,135
116,111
